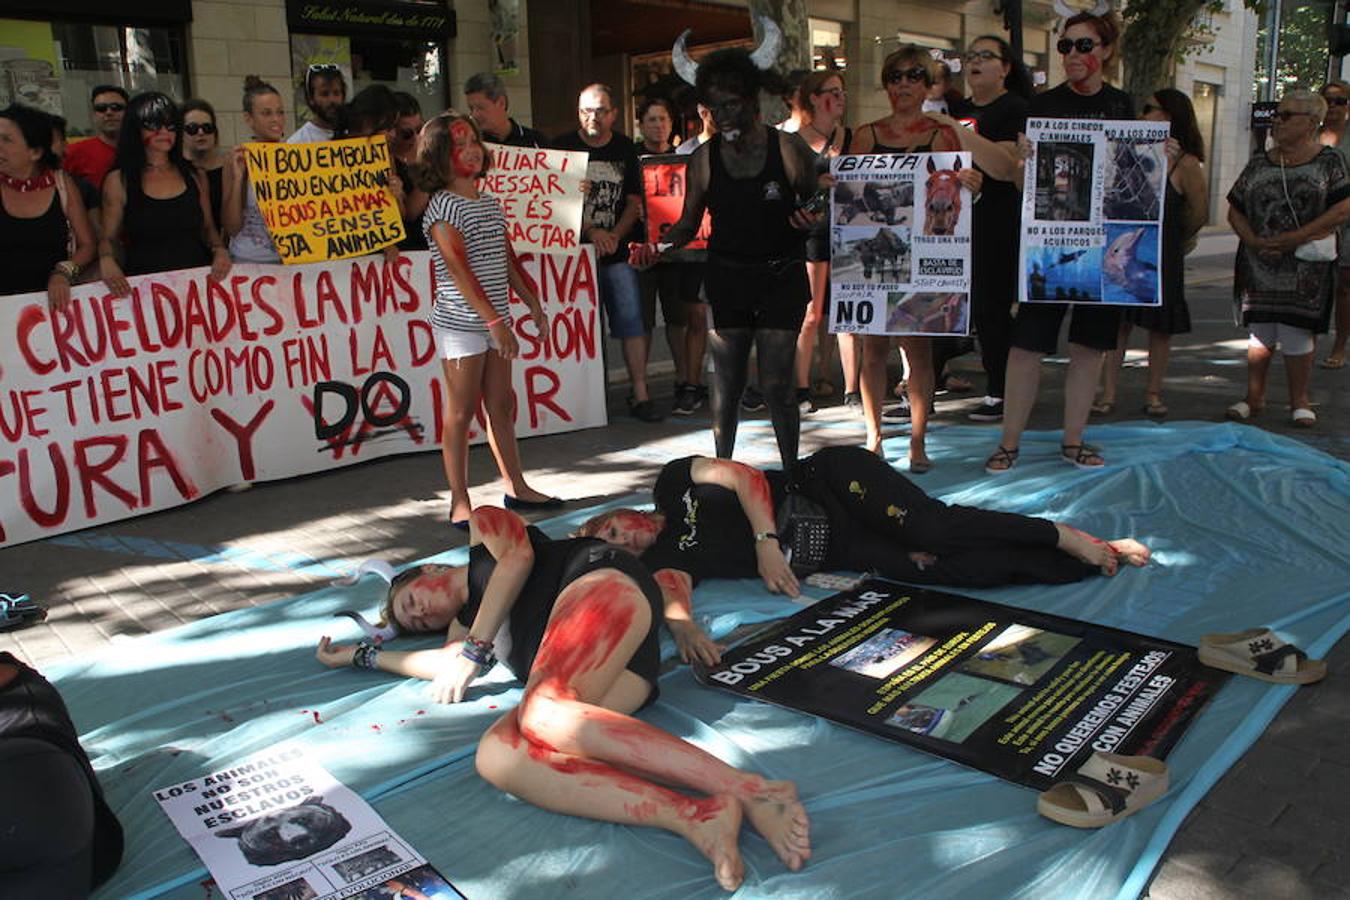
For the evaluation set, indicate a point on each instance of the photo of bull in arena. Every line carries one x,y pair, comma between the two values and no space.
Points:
874,203
289,834
865,254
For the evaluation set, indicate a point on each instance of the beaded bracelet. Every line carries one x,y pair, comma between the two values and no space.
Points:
364,657
478,652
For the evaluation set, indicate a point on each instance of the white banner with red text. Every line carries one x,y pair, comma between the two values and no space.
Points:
115,407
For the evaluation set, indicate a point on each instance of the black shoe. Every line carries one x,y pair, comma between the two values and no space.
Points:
752,400
804,401
897,413
686,400
19,611
645,410
853,401
516,503
990,410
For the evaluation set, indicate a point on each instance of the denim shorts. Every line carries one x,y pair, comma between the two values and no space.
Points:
622,298
453,344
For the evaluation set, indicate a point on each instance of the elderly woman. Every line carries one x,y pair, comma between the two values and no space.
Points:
906,74
719,519
576,621
1287,198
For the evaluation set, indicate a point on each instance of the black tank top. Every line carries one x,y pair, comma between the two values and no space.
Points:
750,215
29,248
553,560
163,235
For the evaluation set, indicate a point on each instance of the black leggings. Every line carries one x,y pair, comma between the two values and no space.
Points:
46,821
877,516
776,351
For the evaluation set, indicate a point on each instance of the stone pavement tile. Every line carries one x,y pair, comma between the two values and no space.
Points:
1316,813
1258,789
1267,878
1178,879
1335,871
1218,840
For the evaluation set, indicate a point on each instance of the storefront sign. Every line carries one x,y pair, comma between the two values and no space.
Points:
541,195
117,407
325,201
1023,695
1092,212
900,244
393,20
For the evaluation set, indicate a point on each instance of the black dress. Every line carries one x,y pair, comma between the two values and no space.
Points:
163,235
215,190
29,248
1173,317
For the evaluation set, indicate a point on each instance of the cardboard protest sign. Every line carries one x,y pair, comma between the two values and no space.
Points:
116,407
663,189
541,195
277,826
900,244
1092,212
1023,695
325,201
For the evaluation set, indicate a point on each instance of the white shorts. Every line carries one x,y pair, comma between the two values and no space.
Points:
453,344
1294,341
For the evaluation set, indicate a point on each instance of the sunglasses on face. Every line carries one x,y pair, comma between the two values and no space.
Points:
982,56
109,107
835,92
1337,101
199,128
914,74
1285,115
1082,45
158,125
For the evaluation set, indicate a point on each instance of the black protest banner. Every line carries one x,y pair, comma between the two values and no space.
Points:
1023,695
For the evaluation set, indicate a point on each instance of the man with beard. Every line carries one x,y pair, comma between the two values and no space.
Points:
609,220
325,92
751,179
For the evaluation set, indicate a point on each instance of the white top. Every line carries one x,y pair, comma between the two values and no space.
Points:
482,225
310,133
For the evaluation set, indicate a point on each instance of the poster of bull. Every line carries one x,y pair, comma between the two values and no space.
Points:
663,182
278,826
900,244
1092,212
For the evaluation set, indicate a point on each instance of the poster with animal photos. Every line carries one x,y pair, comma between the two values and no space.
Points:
900,244
1092,212
278,826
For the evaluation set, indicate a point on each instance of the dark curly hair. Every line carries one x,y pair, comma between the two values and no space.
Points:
36,128
731,70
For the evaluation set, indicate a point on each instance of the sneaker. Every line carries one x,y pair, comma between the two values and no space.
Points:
700,394
645,410
686,400
804,401
18,611
853,402
990,410
897,413
752,400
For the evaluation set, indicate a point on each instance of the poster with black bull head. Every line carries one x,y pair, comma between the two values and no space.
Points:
1023,695
278,826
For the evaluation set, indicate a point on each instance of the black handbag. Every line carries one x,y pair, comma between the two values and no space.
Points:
803,533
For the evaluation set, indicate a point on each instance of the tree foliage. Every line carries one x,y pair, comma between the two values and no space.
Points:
1161,33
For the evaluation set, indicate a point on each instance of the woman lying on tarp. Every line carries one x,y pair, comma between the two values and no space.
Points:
847,509
576,620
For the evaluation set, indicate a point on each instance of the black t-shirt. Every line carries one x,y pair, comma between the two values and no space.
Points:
707,534
414,238
529,614
614,173
994,228
1063,102
519,136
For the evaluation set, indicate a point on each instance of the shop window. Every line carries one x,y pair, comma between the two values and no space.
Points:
827,45
417,67
54,65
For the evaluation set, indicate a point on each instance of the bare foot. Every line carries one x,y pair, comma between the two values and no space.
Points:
1091,550
1133,552
873,445
531,495
780,819
716,835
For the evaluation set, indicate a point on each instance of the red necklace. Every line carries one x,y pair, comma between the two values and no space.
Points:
23,185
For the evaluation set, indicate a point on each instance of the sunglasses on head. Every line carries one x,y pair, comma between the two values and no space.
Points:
913,73
199,128
325,67
1337,101
1082,45
982,56
109,107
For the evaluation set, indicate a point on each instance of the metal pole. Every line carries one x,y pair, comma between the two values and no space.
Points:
1272,48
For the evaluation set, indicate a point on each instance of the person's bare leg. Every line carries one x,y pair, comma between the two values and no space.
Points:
919,356
1159,356
1342,315
1080,383
1022,382
463,385
696,341
1298,371
875,350
849,361
808,336
1094,551
635,359
1258,368
1111,368
499,400
575,786
679,351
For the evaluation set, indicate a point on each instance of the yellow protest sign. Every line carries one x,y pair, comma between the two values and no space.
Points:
329,200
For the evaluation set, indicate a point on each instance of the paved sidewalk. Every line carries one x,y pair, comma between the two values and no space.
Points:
1276,827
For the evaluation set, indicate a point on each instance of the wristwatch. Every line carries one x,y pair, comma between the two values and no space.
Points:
761,536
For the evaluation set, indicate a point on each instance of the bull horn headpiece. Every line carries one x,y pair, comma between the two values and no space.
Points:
763,56
385,572
378,634
1064,10
373,567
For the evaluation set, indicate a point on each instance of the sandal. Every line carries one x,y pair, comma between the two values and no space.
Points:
1260,653
1304,417
1081,456
920,466
1154,408
1105,789
1333,362
1002,460
1104,408
1241,411
19,611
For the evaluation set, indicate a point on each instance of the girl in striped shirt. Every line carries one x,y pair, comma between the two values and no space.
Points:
475,273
